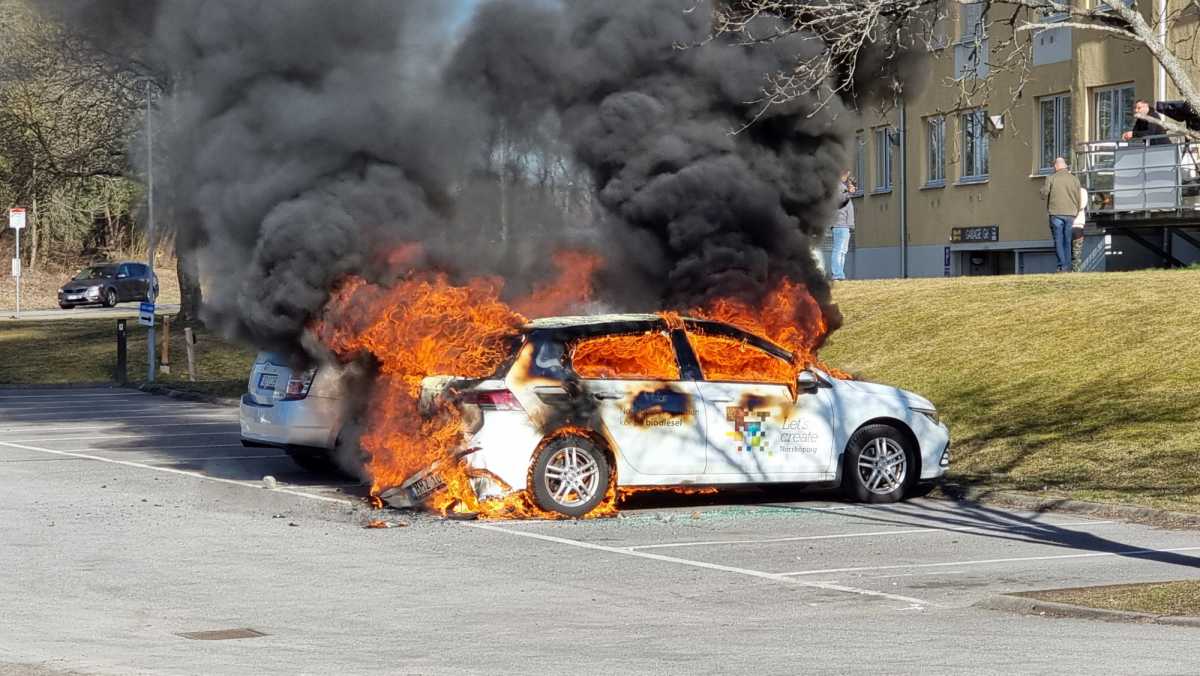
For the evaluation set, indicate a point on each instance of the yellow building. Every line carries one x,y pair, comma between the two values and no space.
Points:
959,184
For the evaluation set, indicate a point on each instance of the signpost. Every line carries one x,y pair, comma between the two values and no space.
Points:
16,221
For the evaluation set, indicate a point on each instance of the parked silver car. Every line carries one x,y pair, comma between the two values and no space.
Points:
300,412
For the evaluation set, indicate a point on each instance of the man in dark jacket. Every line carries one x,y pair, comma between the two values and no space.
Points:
1142,128
1063,203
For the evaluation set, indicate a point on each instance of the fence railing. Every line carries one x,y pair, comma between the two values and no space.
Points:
1143,177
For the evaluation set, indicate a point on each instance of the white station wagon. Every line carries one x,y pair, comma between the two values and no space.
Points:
695,403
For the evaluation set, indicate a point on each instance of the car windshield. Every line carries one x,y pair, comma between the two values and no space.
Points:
97,272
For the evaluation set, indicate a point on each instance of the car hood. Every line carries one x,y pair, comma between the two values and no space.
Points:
91,281
886,392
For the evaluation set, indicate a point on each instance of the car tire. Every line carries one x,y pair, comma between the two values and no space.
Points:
110,298
879,465
570,476
66,306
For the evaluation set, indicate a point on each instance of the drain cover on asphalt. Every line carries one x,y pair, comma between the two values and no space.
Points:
221,634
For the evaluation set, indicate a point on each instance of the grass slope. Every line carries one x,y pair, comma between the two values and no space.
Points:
1159,598
1082,384
84,351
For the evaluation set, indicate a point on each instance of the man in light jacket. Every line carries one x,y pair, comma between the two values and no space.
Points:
843,226
1061,192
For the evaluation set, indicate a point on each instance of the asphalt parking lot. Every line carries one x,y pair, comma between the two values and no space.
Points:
129,520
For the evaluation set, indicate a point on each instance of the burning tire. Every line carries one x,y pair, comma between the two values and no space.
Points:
570,476
879,465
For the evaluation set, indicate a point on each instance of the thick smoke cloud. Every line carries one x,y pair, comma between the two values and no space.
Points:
694,212
309,138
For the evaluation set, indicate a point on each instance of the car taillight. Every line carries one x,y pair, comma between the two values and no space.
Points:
297,385
499,400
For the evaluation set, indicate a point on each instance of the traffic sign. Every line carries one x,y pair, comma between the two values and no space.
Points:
16,267
16,218
146,314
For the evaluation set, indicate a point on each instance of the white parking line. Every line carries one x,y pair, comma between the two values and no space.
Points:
115,425
980,562
230,415
170,470
120,407
174,461
883,533
68,394
913,603
125,436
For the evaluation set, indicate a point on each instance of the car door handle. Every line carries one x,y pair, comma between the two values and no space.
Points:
606,395
720,400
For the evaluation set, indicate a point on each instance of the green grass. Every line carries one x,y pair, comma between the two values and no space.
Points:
1080,385
1180,598
84,351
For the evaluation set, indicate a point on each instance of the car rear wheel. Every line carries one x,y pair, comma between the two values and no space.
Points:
879,465
110,298
570,476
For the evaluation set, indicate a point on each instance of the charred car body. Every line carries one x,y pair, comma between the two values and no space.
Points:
637,400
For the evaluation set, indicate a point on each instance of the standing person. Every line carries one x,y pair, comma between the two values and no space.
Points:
1142,128
1061,192
1077,233
843,226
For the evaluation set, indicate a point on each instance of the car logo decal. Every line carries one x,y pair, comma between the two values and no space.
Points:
749,428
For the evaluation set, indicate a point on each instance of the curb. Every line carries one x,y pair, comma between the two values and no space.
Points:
164,391
1028,606
1132,513
61,386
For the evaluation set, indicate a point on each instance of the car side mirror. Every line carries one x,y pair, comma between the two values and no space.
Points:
807,381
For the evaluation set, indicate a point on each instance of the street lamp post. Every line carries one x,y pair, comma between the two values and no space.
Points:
150,293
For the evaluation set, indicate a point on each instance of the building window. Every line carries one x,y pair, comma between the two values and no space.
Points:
883,159
1114,112
860,164
974,146
935,130
970,22
1055,125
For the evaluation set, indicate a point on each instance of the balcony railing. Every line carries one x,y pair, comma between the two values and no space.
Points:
1148,177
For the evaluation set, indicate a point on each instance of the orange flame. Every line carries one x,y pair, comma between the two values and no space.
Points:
647,356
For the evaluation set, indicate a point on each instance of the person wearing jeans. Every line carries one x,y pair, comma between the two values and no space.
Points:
843,226
1061,192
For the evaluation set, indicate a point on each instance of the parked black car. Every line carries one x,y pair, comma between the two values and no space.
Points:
108,284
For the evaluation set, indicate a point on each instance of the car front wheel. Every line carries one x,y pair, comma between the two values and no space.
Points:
570,476
879,465
110,298
65,306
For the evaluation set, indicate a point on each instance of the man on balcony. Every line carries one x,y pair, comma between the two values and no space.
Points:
1063,203
1142,128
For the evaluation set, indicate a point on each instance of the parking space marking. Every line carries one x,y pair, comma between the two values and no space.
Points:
66,395
980,562
171,470
884,533
126,436
913,603
81,428
229,416
174,461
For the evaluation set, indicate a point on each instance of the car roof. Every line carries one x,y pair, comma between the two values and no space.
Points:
589,320
573,327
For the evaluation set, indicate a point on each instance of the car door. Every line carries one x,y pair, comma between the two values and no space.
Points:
125,282
759,427
140,287
652,415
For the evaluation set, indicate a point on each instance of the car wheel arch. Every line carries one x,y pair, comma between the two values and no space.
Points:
595,437
895,423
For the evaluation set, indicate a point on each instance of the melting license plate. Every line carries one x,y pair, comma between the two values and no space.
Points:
423,487
266,381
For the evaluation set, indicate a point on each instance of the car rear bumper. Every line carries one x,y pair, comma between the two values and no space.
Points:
310,422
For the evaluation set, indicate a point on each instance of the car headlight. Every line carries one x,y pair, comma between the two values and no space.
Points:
93,290
930,413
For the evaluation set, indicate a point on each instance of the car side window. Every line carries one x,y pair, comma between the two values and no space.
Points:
637,356
124,271
727,359
141,270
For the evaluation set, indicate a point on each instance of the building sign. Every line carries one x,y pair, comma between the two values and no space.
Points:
982,233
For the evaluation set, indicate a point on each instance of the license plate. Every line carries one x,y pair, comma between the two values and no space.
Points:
75,297
425,486
266,381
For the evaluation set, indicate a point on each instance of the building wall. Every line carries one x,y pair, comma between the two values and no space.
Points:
1069,62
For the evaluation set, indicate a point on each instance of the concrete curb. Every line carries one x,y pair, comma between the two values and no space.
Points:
61,386
1029,606
1033,503
164,391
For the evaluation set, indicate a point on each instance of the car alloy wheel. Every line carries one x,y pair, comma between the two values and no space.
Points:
570,476
110,298
882,466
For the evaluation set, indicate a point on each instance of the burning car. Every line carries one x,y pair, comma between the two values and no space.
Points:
584,406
